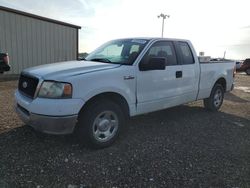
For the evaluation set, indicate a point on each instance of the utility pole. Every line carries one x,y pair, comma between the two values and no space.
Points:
163,16
224,54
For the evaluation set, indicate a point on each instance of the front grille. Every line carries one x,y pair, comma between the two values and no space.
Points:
27,85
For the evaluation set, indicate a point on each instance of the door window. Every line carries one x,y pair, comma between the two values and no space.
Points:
163,49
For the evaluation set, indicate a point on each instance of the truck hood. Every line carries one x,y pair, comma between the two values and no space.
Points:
68,69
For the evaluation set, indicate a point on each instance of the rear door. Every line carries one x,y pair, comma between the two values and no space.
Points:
190,71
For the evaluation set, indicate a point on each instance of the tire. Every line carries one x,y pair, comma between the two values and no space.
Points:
100,124
214,102
248,71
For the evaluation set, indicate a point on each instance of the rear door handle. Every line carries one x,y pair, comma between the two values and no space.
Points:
178,74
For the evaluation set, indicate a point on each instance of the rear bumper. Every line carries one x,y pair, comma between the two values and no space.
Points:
58,125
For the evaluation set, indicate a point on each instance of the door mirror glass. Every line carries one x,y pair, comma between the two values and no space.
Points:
154,63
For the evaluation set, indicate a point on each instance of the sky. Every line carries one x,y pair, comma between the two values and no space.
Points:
213,26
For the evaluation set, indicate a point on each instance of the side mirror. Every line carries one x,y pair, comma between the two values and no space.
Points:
154,63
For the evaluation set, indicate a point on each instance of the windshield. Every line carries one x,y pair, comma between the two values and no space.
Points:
124,51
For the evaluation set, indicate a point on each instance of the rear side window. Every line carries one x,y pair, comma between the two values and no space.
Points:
163,49
186,53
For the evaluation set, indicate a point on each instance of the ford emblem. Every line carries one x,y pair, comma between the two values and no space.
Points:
25,85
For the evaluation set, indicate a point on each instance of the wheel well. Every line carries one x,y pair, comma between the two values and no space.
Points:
114,97
222,82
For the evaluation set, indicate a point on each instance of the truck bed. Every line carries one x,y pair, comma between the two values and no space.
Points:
212,70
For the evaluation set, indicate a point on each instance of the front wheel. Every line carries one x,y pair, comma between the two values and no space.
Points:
248,71
214,102
100,123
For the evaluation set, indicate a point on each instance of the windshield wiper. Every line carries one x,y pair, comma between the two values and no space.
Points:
104,60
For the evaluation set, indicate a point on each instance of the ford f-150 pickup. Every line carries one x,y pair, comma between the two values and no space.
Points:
122,78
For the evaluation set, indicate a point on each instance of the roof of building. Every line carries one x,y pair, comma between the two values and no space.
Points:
38,17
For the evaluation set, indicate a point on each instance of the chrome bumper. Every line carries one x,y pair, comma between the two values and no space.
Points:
48,124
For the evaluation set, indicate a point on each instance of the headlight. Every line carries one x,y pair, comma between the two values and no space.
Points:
55,90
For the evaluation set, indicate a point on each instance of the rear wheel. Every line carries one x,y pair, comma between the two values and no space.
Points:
214,102
100,123
248,71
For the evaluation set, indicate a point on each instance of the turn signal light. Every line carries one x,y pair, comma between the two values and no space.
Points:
67,90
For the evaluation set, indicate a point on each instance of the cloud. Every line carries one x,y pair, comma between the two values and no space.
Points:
102,20
245,27
63,10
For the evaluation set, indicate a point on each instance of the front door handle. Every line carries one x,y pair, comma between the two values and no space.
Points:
178,74
128,77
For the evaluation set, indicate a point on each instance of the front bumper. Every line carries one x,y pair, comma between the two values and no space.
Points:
48,124
52,116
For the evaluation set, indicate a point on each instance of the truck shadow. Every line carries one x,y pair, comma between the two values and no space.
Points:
183,135
234,98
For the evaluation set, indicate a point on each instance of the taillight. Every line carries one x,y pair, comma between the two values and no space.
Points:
234,71
6,59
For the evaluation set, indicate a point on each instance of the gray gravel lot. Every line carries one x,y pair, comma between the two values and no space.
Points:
185,146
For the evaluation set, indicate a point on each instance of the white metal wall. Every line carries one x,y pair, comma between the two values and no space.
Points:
30,41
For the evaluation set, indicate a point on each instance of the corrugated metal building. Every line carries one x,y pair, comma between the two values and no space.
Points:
32,40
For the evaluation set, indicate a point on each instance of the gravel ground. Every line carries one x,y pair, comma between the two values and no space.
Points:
184,146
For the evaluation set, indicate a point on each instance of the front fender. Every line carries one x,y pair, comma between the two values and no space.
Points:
128,96
97,91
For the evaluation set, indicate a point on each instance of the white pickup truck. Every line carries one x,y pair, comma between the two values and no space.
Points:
122,78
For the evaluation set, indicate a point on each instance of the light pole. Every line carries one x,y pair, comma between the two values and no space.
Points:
163,16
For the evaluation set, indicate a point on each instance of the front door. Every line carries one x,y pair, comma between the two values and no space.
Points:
158,89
